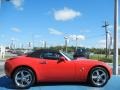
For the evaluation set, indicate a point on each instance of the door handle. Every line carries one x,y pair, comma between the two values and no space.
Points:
43,62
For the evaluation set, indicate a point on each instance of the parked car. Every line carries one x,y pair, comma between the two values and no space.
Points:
81,52
55,66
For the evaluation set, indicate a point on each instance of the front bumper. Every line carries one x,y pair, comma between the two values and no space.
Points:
8,69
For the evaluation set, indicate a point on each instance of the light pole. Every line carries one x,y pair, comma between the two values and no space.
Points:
115,57
76,42
33,41
66,39
29,45
12,44
45,44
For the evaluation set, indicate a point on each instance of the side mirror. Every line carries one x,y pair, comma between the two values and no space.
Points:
62,59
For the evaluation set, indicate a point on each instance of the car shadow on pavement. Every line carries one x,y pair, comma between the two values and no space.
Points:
114,83
61,84
7,83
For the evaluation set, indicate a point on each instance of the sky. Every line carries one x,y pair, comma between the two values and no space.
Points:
36,21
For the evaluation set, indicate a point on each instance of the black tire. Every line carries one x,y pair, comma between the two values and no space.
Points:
98,80
30,78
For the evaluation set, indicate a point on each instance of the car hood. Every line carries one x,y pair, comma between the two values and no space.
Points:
90,61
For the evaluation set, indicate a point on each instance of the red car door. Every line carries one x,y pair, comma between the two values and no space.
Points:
53,70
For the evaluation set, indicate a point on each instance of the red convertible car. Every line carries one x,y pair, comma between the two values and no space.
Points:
55,66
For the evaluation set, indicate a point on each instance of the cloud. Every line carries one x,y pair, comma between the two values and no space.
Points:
66,14
101,43
18,4
79,37
54,31
111,27
14,29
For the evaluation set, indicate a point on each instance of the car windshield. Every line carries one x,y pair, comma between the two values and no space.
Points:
68,56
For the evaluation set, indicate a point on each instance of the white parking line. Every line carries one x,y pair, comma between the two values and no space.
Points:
1,75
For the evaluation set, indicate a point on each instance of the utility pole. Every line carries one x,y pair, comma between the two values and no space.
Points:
115,57
106,31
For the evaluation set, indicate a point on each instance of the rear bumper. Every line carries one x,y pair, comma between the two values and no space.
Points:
111,72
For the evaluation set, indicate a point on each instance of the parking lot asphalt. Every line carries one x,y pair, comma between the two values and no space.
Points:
113,84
